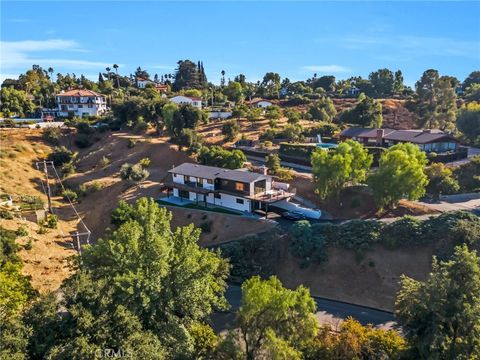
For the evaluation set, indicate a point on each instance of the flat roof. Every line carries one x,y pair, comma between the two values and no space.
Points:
213,172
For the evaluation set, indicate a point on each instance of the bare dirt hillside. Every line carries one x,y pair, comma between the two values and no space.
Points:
46,262
212,132
96,207
395,114
372,282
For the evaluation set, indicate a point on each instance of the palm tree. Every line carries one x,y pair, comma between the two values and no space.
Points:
223,78
115,66
108,72
50,71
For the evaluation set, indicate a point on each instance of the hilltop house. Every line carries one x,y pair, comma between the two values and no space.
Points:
428,140
77,102
239,190
142,84
259,103
187,100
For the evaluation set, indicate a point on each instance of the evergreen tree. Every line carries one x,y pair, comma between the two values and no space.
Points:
441,316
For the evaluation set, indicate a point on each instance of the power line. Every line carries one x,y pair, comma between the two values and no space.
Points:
46,190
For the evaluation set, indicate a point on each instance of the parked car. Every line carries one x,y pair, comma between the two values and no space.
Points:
293,215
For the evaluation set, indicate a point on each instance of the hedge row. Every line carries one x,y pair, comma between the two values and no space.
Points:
309,242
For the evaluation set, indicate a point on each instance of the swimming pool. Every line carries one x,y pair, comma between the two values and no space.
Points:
326,145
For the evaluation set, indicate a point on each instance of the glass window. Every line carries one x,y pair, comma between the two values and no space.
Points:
209,181
240,201
218,196
186,178
239,186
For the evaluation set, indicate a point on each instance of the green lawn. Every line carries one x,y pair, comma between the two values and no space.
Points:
200,207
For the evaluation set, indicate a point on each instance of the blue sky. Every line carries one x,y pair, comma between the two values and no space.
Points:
295,39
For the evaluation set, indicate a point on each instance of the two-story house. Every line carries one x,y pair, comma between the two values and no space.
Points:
80,102
239,190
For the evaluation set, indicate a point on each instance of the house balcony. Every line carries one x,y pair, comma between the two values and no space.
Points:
272,196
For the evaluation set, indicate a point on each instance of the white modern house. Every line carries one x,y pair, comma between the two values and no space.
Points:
239,190
187,100
142,83
78,102
260,103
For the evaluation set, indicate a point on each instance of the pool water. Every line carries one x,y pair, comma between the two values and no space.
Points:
326,145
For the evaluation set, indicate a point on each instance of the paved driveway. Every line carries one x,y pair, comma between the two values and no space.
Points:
468,202
328,312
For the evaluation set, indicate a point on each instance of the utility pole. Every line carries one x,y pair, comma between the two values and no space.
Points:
79,248
49,194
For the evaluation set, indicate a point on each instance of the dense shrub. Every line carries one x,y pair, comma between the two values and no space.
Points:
217,156
249,256
298,150
309,246
21,231
52,135
5,214
405,231
468,175
446,231
61,155
135,173
323,129
206,227
230,130
83,140
52,221
104,161
69,194
8,247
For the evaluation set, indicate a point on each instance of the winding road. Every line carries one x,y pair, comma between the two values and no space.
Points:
328,312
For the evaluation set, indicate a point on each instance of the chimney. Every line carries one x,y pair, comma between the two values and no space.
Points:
380,133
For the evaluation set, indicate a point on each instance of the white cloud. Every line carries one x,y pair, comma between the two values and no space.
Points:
331,69
18,54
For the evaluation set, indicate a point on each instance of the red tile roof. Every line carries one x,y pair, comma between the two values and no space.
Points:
79,92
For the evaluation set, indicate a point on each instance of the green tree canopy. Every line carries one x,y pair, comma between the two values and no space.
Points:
323,110
15,102
383,82
271,315
230,130
185,117
218,156
367,112
441,316
159,274
435,105
400,175
440,180
333,170
234,91
468,122
189,76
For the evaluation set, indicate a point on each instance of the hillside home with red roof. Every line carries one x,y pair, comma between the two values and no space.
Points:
79,102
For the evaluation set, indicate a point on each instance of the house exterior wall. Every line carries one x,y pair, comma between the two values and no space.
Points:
180,179
264,104
142,83
184,100
81,105
230,201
